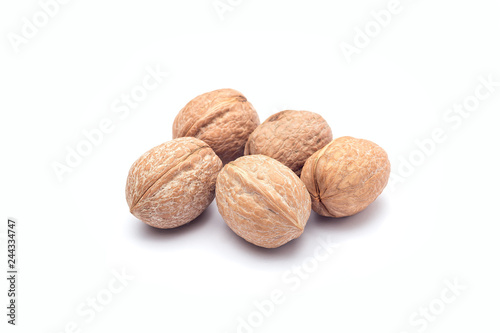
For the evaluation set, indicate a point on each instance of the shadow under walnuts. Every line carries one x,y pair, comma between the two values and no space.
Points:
367,218
284,251
317,226
148,231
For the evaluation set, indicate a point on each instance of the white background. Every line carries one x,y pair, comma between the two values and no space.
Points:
438,224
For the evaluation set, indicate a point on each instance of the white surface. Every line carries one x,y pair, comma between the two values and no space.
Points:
440,224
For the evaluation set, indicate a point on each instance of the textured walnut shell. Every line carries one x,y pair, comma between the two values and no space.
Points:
222,118
262,200
346,176
173,183
290,137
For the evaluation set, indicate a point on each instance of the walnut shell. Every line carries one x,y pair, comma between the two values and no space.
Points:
346,176
290,137
173,183
223,118
262,200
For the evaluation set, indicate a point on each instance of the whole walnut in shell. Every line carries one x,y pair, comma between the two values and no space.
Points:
173,183
262,200
290,137
346,176
222,118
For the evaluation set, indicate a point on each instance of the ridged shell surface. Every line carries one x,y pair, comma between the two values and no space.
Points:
262,200
224,119
290,137
173,183
346,176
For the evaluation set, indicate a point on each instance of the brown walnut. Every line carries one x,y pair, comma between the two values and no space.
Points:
173,183
223,118
346,176
262,200
290,137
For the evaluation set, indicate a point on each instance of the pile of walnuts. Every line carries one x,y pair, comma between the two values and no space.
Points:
221,150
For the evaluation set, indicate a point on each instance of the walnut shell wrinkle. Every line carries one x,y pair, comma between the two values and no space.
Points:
346,176
223,118
290,137
262,200
173,183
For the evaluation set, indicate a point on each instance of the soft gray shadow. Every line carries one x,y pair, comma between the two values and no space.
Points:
371,217
341,228
147,231
285,251
222,239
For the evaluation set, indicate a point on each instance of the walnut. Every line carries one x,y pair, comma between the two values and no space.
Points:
346,176
173,183
222,118
262,200
290,137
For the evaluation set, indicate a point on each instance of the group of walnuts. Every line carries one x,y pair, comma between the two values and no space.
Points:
221,150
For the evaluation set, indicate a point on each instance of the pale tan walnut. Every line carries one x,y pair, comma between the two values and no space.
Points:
290,137
262,200
173,183
223,118
346,176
